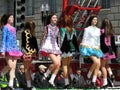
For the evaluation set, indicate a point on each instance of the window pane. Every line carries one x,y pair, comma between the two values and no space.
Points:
53,8
105,4
29,7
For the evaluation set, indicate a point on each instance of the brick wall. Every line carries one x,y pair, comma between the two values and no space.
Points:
113,13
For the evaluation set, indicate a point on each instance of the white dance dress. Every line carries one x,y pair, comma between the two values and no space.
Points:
49,42
91,42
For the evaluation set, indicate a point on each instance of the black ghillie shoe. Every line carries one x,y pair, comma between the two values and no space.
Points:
52,85
110,82
67,86
88,80
93,85
10,88
112,78
104,86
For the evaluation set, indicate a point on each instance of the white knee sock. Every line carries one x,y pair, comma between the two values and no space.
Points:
28,83
47,73
71,76
52,78
89,74
105,81
94,78
110,73
2,74
66,81
11,83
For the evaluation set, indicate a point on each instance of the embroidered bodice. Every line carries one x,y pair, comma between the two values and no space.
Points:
50,34
49,40
69,35
29,42
91,37
8,38
9,42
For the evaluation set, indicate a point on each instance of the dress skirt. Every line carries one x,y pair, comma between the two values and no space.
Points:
88,51
49,47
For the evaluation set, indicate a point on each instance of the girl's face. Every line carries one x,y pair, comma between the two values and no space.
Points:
10,19
54,19
94,21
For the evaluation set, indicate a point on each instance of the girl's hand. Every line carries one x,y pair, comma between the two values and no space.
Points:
2,54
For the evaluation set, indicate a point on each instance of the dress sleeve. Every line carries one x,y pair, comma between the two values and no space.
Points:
62,35
3,41
59,38
75,40
113,44
75,32
23,39
44,35
28,40
85,36
102,31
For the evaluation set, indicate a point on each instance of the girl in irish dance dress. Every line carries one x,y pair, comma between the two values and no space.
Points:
9,48
51,48
90,47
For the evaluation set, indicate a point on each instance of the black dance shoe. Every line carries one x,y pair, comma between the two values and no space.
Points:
10,88
28,88
93,85
88,80
104,86
112,78
67,86
52,85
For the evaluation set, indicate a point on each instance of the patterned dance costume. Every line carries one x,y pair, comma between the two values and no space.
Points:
108,46
9,42
29,44
69,45
49,41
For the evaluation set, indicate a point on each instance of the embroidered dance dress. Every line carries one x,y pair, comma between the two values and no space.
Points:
9,42
49,41
29,44
69,45
107,46
90,44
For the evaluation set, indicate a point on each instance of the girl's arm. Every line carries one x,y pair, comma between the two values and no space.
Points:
59,38
62,35
3,41
44,35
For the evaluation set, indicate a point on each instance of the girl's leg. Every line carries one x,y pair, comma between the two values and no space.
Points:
5,70
49,70
65,69
104,71
92,68
70,69
27,72
11,61
71,73
96,69
109,70
110,73
57,63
